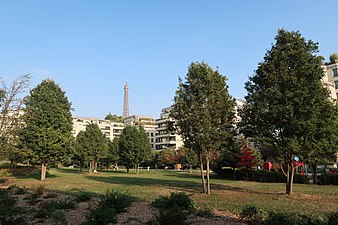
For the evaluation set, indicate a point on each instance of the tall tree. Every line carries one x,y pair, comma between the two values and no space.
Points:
92,145
81,149
11,104
286,101
48,124
134,147
203,110
187,156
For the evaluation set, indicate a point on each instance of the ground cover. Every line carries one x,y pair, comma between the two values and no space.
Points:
227,195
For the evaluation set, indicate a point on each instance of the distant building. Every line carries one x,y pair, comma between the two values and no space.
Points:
330,80
147,122
165,138
109,129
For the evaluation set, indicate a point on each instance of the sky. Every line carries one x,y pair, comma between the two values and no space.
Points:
91,48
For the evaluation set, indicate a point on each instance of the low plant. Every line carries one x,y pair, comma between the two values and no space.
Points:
59,218
176,199
50,195
205,212
83,197
333,219
9,212
33,198
101,215
174,215
116,200
252,215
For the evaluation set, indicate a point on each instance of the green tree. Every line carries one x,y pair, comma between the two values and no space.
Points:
203,110
92,145
333,57
168,156
134,147
114,118
286,101
81,149
188,156
48,124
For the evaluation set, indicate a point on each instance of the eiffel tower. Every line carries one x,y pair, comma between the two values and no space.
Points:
125,101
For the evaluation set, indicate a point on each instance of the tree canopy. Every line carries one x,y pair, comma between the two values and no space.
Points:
203,110
114,118
287,108
134,146
48,124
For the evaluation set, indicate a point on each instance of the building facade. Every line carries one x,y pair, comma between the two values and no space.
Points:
330,80
165,138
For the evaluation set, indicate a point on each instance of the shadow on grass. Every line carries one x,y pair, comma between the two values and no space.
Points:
179,185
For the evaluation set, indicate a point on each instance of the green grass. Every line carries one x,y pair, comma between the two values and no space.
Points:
226,195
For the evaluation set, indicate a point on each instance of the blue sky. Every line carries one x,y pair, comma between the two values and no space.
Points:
91,48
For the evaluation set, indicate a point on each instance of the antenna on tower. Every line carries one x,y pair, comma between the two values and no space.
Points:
126,101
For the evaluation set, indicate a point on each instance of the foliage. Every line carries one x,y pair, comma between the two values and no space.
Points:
178,199
134,146
168,156
248,158
9,212
48,124
287,108
333,219
101,215
333,57
117,200
11,105
91,145
114,118
205,213
173,215
187,156
83,196
203,110
251,215
327,179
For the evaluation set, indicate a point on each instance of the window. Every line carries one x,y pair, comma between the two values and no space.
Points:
336,84
335,72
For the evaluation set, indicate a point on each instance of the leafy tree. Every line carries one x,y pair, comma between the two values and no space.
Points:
333,57
187,156
92,145
286,101
113,152
114,118
203,110
81,149
248,159
11,117
168,156
48,124
134,147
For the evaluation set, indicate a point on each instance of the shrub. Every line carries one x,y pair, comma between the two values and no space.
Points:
294,219
328,179
8,210
252,215
59,218
83,197
50,195
173,215
116,200
179,199
101,215
205,212
66,204
333,219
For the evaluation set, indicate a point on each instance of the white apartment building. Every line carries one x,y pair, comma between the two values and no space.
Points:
330,80
147,122
166,138
109,129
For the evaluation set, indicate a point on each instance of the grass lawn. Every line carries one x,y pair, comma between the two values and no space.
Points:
227,195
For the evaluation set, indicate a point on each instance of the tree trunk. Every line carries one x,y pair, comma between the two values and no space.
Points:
314,169
202,173
90,167
127,168
289,178
208,172
138,168
81,166
190,168
43,171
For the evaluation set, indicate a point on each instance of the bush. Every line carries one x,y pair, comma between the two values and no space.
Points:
205,212
294,219
176,199
224,173
8,210
83,197
101,215
251,215
173,215
117,200
328,179
333,219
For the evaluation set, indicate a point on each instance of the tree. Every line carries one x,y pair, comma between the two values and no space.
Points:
114,118
81,150
168,156
92,145
134,147
248,159
11,117
333,57
203,110
48,124
286,101
187,156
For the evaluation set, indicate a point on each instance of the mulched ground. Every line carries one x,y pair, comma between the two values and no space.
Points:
137,214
